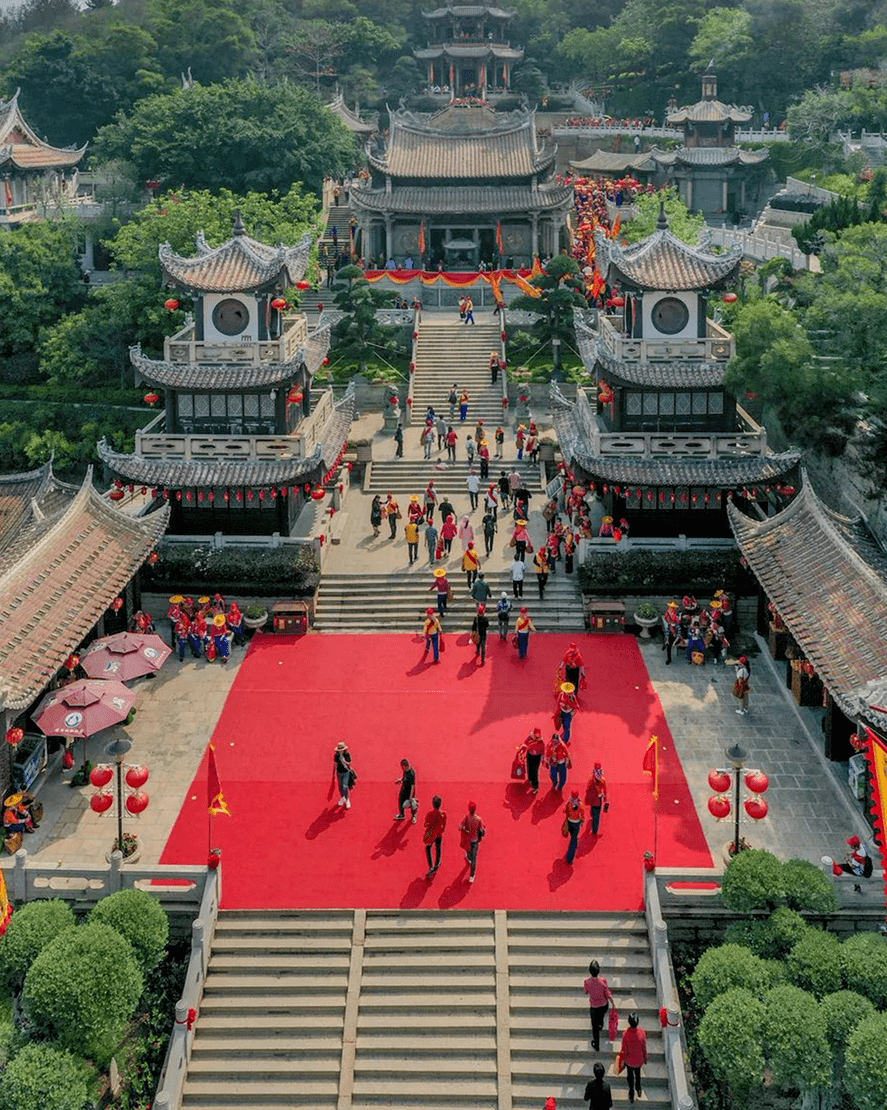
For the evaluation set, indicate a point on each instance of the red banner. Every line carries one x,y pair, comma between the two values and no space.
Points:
876,754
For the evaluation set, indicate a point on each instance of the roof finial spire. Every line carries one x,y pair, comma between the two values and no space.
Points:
662,222
239,229
710,82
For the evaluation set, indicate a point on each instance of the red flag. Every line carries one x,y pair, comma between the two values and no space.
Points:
215,799
422,243
500,244
8,194
650,763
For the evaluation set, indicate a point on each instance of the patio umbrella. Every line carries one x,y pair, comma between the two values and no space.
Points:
83,708
125,656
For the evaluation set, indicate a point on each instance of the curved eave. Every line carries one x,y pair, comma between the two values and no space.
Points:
725,472
211,473
214,376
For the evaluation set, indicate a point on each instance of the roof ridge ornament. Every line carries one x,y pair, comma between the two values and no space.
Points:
662,221
239,228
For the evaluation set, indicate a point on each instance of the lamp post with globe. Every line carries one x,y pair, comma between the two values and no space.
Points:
721,779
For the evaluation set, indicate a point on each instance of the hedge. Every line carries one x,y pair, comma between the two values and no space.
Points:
30,929
795,1040
753,881
664,572
814,964
730,1037
727,966
291,570
865,1073
139,918
807,887
843,1011
45,1078
864,962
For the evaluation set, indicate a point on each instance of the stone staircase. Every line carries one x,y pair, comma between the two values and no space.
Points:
449,351
423,1010
405,477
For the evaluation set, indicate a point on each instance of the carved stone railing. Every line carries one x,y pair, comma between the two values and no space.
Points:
706,445
716,346
184,348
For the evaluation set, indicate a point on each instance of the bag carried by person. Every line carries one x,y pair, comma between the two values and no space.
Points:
565,830
514,641
613,1027
530,548
518,765
439,550
475,639
620,1063
352,777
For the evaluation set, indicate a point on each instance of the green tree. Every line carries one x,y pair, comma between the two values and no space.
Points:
864,959
358,332
240,135
726,966
139,918
865,1070
807,888
41,1077
31,928
681,223
560,291
814,963
215,42
730,1035
842,1011
63,1001
724,36
753,881
795,1039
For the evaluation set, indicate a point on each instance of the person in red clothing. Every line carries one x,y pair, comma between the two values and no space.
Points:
442,584
435,823
557,758
473,831
599,999
535,746
634,1055
596,796
574,817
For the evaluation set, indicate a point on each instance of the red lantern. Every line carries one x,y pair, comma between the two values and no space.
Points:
101,801
14,736
73,661
757,782
138,802
279,303
415,335
303,284
251,496
295,396
172,304
117,604
101,775
326,361
179,495
756,808
649,862
409,402
226,495
706,499
201,495
320,306
136,777
719,781
211,496
719,806
730,298
214,859
318,493
151,398
504,402
618,302
116,495
503,336
392,400
261,495
350,467
412,367
240,495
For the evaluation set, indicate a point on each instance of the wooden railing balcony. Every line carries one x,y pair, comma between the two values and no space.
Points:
183,347
716,346
750,438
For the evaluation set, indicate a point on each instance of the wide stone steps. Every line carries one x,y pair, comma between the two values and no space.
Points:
372,1009
405,477
397,603
447,352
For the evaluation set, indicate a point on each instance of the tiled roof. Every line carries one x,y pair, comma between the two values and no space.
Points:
468,50
827,577
217,376
351,120
709,111
663,262
57,590
667,374
316,349
240,265
710,156
432,200
609,162
467,11
167,473
29,503
462,142
20,146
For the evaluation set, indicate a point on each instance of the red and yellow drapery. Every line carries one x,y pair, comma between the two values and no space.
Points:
457,280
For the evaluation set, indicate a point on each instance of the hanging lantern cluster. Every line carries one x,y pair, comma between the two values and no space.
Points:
72,662
14,736
136,799
172,304
303,285
295,396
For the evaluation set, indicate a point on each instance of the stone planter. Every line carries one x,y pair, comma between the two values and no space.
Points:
546,452
133,856
645,623
363,452
255,623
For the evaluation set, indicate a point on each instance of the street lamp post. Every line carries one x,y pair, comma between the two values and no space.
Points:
118,750
737,756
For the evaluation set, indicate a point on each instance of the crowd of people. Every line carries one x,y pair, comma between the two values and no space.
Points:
207,627
638,123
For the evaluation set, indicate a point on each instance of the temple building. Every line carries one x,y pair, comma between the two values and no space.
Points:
712,174
459,187
666,442
34,174
352,118
468,52
238,445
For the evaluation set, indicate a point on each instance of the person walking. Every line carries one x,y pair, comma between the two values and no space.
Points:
489,527
519,440
442,584
453,400
535,747
566,707
427,438
392,514
483,453
599,998
441,429
596,797
597,1091
574,817
376,514
517,577
448,532
432,837
470,563
451,439
503,610
407,795
494,367
504,489
466,532
411,534
473,832
464,398
741,685
540,561
558,762
343,771
633,1051
430,501
445,508
469,310
398,439
431,632
520,539
480,626
414,509
470,448
481,591
491,500
431,543
500,443
473,484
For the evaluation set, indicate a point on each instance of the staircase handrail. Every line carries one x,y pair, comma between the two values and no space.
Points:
503,359
411,387
673,1038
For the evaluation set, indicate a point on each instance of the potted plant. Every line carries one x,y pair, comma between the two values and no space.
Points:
255,617
647,616
132,848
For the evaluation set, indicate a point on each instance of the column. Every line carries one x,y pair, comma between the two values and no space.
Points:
724,195
534,249
389,239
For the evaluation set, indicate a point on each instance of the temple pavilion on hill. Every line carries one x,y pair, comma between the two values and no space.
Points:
666,441
238,445
472,184
468,52
33,172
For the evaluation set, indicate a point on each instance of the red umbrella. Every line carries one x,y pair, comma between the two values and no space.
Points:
125,656
83,708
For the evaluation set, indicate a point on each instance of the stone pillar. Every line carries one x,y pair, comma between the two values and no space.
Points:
389,239
534,249
724,195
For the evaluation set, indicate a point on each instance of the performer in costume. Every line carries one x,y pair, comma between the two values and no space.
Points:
535,749
567,705
695,643
557,759
174,614
524,626
182,635
198,636
572,668
606,526
596,796
221,638
235,623
431,632
574,817
442,584
415,511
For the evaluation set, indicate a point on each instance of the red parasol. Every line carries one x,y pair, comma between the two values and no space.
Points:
83,708
125,656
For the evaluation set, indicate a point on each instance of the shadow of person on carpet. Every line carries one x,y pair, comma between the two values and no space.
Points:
324,821
560,873
415,894
456,892
393,841
547,806
518,799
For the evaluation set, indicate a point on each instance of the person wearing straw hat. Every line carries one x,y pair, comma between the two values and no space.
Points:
671,629
520,539
717,639
567,704
343,771
431,632
519,440
523,627
606,528
442,584
174,615
221,640
415,512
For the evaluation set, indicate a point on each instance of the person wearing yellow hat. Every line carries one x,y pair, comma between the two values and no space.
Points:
606,528
221,637
431,632
174,615
567,704
671,629
523,627
520,439
415,512
442,584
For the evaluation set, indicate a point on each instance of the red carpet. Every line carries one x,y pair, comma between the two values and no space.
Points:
288,845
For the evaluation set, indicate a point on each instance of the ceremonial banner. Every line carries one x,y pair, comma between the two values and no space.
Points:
876,755
500,245
5,904
422,243
215,798
457,279
651,763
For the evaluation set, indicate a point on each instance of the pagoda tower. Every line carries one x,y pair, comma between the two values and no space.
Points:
468,52
238,445
666,441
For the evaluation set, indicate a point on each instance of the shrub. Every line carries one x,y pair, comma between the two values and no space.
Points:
787,927
83,989
726,966
613,573
864,960
754,933
730,1037
45,1078
30,929
140,919
843,1011
807,887
814,964
290,570
795,1040
753,881
865,1073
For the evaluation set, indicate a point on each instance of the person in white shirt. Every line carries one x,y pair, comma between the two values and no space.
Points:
473,483
517,578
